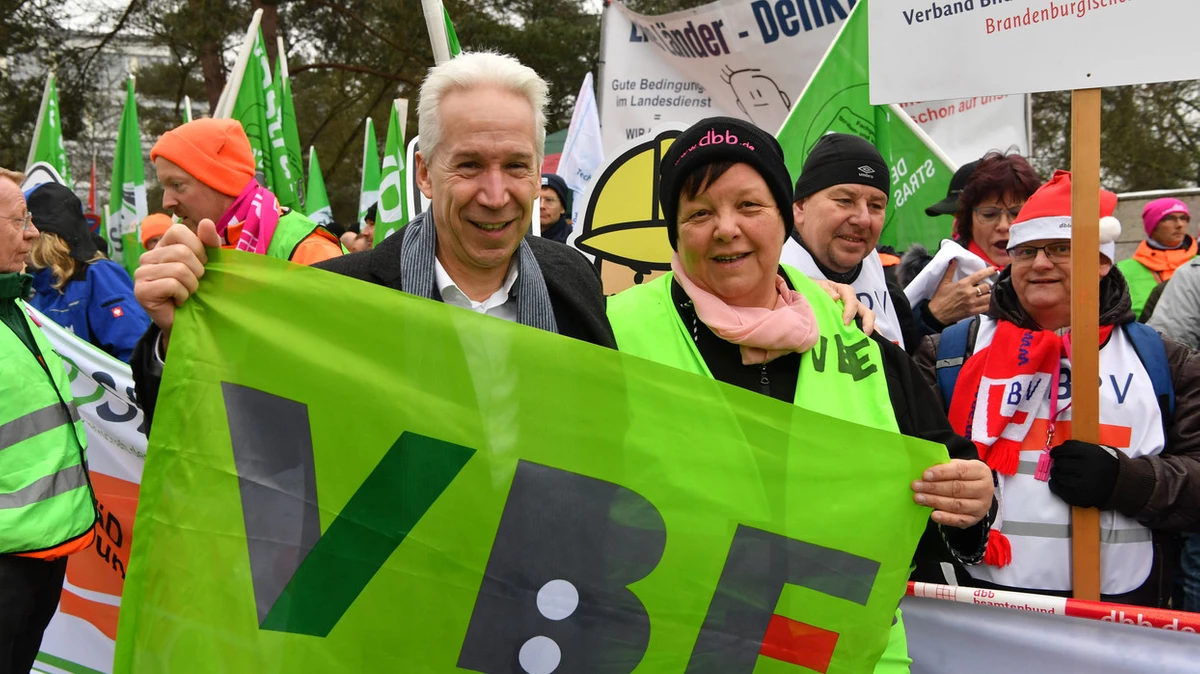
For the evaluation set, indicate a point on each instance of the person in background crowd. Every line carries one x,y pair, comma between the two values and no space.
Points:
1176,314
1012,397
729,310
74,284
152,229
483,123
841,198
206,168
366,237
1167,247
555,205
955,284
916,257
42,442
958,182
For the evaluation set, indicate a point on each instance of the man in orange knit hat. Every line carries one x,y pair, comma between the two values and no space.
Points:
206,168
1006,382
152,229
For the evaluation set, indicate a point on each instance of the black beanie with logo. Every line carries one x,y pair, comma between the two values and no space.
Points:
842,159
719,139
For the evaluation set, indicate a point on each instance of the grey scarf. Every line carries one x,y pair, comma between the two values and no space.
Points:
417,255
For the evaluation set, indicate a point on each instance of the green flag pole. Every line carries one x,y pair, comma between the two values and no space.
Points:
224,107
437,22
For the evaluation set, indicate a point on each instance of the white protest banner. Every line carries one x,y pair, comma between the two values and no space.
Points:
953,637
583,151
82,635
938,49
969,128
765,54
743,58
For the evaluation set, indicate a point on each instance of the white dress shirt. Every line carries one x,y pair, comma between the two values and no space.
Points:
501,304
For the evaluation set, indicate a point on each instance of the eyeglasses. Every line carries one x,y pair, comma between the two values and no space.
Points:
27,220
991,215
1055,252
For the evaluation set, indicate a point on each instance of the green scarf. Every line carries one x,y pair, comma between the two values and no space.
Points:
15,286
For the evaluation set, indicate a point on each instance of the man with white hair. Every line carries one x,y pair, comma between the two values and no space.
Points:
483,128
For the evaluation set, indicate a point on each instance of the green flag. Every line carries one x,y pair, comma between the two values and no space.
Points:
393,207
836,100
368,195
257,106
291,133
127,191
187,109
47,145
465,528
451,35
319,210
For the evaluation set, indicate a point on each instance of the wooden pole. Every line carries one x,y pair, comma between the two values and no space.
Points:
1085,323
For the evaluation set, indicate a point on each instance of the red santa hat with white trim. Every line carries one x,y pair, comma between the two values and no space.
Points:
1047,215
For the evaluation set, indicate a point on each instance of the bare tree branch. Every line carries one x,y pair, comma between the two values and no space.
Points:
133,4
352,69
357,19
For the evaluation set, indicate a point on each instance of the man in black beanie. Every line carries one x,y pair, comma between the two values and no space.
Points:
839,206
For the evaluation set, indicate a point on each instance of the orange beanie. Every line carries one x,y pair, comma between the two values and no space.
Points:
155,224
214,151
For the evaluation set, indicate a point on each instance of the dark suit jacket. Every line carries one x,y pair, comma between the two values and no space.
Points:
573,284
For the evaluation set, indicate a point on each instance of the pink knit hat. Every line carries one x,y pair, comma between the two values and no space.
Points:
1158,209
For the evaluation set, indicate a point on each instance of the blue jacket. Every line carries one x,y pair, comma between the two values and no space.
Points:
99,307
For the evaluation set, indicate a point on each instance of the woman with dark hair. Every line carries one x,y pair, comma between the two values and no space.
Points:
956,283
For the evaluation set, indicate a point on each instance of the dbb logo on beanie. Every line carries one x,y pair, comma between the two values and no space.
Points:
715,137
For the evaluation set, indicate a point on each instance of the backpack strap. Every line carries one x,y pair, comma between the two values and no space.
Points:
1153,353
956,345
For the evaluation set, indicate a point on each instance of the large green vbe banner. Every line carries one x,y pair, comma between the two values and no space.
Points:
493,498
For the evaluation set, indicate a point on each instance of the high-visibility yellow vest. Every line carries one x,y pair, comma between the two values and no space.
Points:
46,502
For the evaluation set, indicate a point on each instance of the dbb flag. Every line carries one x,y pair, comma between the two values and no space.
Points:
836,100
661,522
368,194
393,207
319,210
257,104
127,191
47,145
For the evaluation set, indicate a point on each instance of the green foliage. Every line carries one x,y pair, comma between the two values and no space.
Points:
1150,135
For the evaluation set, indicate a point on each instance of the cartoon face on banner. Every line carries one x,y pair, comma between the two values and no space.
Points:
623,225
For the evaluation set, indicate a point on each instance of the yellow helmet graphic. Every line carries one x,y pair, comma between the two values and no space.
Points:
622,223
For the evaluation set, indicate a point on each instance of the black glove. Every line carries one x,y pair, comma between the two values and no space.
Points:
1083,474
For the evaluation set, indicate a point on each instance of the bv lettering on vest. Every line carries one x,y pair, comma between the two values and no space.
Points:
1035,521
870,287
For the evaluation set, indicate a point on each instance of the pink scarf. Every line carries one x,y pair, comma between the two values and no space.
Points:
763,334
258,211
